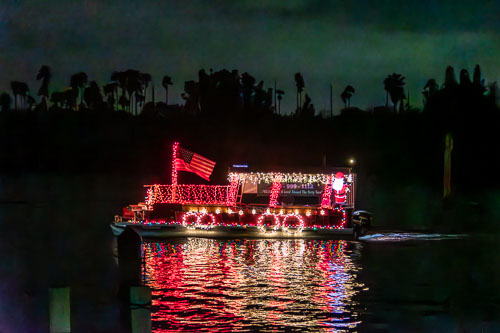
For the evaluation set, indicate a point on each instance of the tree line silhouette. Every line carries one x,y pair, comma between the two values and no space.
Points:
226,92
232,117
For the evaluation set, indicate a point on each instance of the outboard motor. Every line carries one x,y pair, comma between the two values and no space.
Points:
361,221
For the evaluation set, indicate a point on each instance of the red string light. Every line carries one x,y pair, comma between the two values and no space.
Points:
327,194
189,194
275,191
195,219
344,218
173,194
261,225
233,190
295,216
199,220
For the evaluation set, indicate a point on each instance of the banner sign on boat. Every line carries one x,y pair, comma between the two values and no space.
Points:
292,189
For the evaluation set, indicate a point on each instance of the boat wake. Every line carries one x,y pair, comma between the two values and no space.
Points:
408,236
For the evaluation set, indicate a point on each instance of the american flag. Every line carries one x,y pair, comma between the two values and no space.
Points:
186,160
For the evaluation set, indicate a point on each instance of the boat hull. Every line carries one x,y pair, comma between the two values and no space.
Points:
175,231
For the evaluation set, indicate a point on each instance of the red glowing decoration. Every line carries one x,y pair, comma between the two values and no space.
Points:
261,225
186,160
189,194
188,215
295,216
198,220
174,172
275,191
233,190
344,218
327,194
339,189
174,165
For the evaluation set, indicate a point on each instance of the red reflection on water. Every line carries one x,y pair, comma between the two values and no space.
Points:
243,285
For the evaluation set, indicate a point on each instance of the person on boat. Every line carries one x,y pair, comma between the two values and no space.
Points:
340,187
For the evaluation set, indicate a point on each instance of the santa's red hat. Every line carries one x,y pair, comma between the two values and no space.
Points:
339,175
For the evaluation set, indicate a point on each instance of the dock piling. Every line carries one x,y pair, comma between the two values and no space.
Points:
59,310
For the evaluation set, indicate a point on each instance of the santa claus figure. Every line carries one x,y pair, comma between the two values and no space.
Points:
339,189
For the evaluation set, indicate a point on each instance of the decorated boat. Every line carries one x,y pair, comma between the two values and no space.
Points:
257,204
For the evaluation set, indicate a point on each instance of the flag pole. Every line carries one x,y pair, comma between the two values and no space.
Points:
174,169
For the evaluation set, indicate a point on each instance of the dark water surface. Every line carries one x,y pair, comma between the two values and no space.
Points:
389,283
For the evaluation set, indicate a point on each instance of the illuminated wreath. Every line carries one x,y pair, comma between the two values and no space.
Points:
260,222
300,226
205,226
198,219
187,216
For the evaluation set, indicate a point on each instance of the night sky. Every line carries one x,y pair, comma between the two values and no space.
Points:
344,42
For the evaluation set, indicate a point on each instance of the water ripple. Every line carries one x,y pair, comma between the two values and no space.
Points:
248,285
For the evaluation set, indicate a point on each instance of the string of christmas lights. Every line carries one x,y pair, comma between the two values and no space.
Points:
173,194
268,177
326,198
344,218
287,227
260,222
233,190
198,220
275,190
209,220
190,194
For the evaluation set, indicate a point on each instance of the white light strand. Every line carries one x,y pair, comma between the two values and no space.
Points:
269,177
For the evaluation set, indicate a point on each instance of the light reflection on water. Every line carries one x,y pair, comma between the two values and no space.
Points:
246,285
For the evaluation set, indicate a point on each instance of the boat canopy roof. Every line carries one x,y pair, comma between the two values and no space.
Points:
283,175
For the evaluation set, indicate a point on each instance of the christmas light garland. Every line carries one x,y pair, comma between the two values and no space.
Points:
286,227
233,191
198,222
260,222
173,194
190,194
275,190
268,177
326,198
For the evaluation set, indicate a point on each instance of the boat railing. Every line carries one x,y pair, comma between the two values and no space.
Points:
190,194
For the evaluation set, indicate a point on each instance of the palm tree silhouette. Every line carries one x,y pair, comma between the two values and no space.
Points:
299,83
346,95
478,81
139,101
78,82
19,89
30,101
5,101
145,79
121,79
430,88
124,102
167,81
248,90
279,94
44,74
450,79
110,91
394,85
92,96
465,78
133,84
